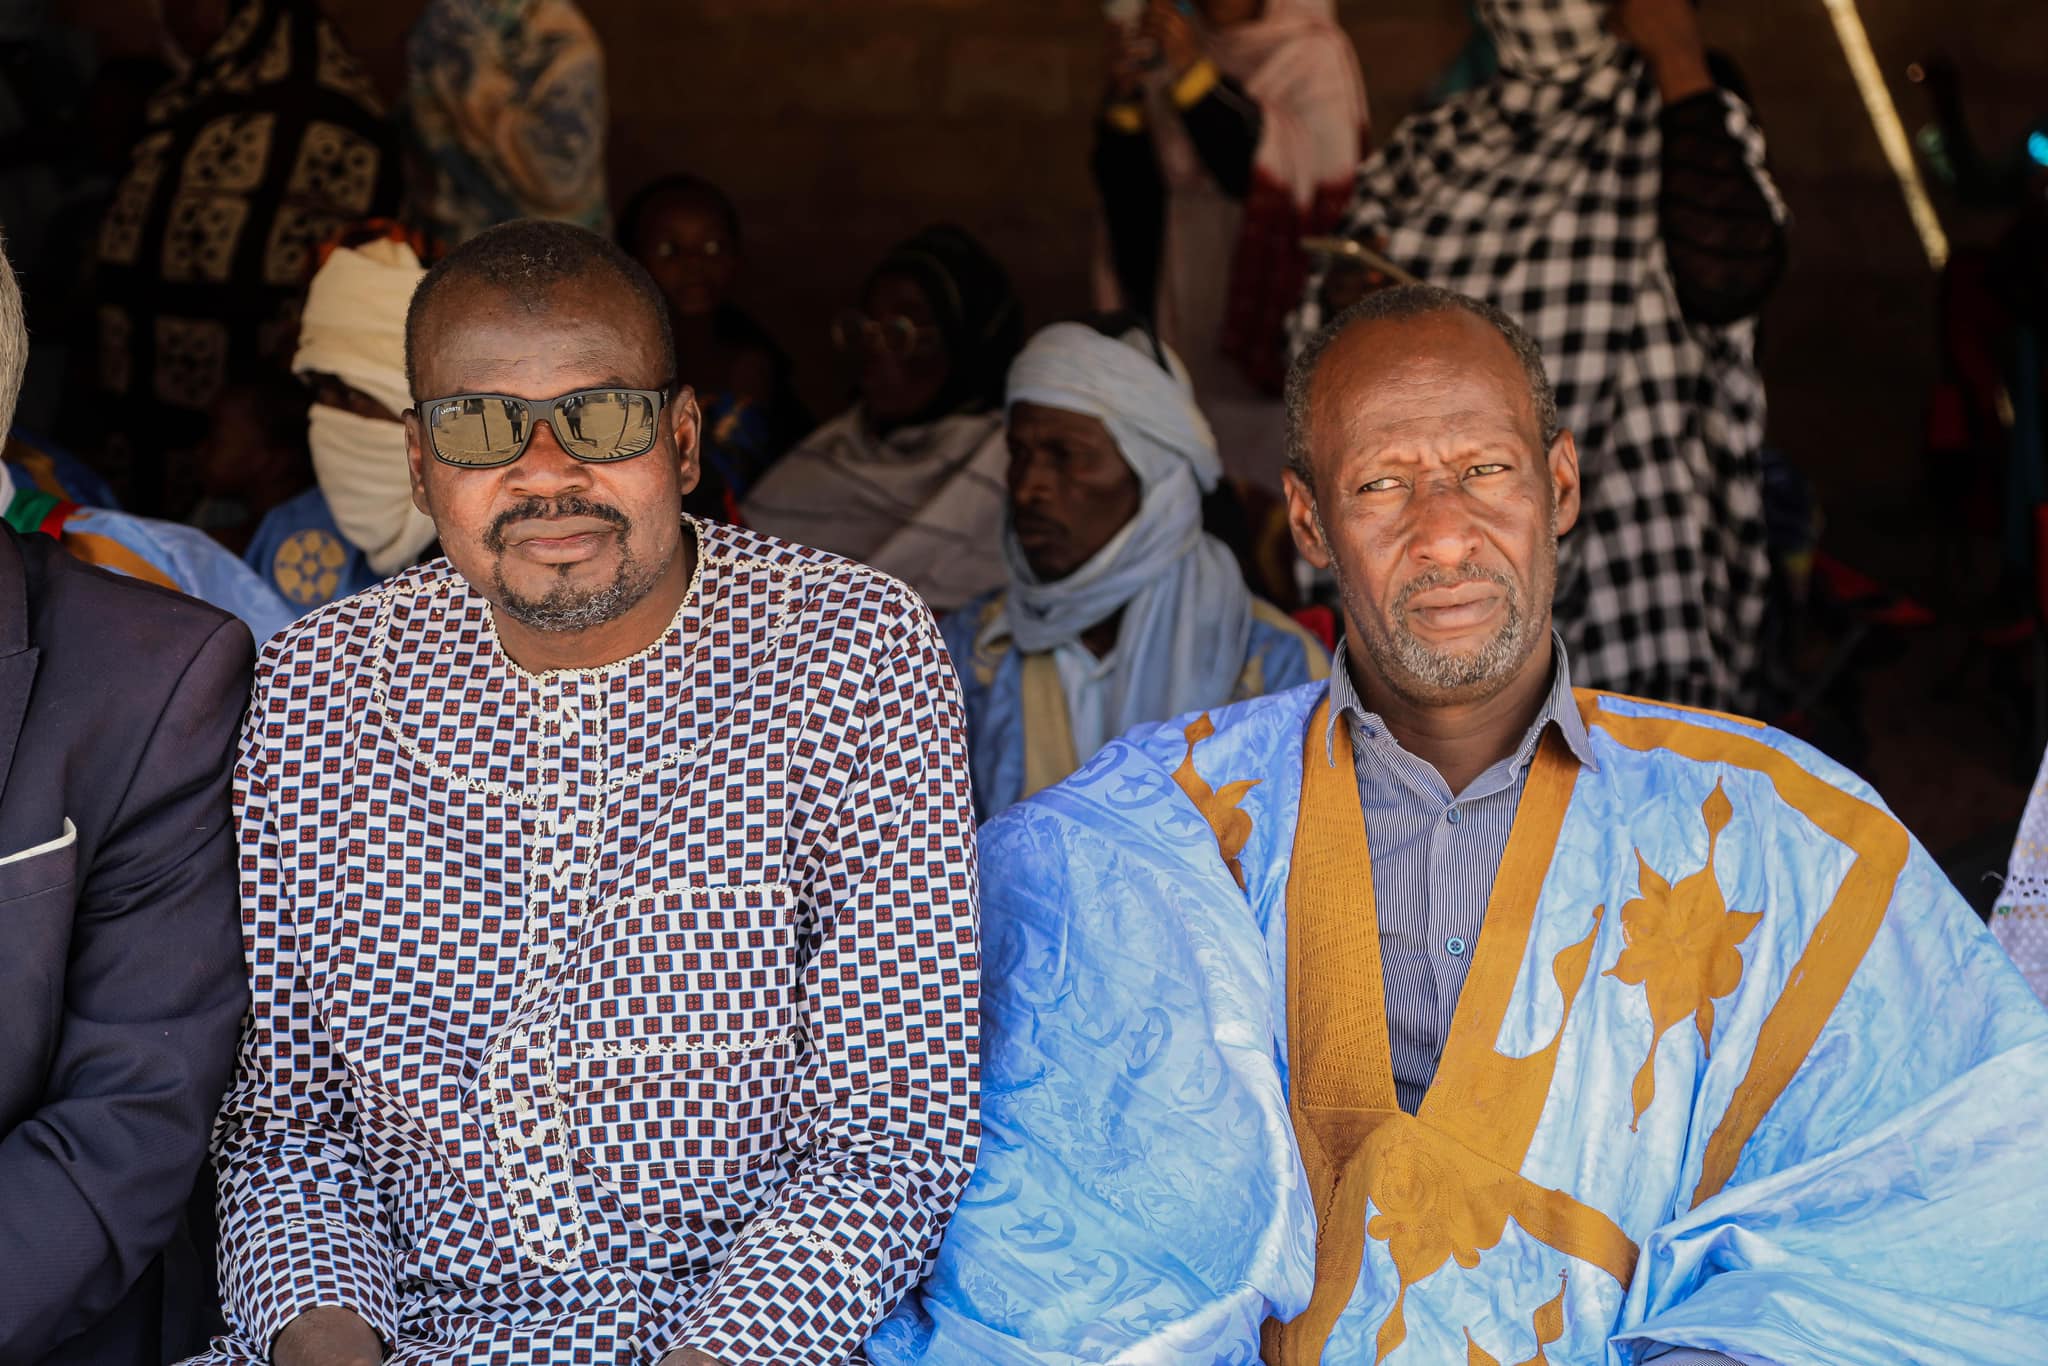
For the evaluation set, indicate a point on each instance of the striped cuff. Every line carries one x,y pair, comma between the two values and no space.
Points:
1195,84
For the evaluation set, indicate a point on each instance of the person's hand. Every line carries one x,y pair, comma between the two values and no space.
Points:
327,1337
689,1356
1667,33
1180,46
1129,52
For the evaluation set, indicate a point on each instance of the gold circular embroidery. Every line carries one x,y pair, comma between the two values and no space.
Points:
307,567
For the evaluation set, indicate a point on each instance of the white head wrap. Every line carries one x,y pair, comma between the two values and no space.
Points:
1187,613
354,329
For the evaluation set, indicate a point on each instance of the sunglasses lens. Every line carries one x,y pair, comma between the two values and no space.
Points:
605,424
477,430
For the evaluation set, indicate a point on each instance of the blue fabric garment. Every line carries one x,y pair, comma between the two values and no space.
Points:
99,533
1277,656
1140,1197
42,463
184,557
299,550
737,443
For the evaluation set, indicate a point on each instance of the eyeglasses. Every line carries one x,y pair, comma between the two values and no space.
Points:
668,249
478,431
897,336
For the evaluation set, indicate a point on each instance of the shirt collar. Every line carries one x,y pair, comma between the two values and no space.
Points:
1559,708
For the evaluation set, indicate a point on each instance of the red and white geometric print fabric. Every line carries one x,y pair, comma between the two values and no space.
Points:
599,1013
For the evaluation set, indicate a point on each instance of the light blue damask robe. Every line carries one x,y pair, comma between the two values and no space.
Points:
1735,1069
1018,736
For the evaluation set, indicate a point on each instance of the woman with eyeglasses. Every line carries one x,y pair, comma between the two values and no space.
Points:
910,478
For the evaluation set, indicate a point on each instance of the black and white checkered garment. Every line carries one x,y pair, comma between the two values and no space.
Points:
1538,192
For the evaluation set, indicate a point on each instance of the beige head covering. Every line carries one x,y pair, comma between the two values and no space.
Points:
354,329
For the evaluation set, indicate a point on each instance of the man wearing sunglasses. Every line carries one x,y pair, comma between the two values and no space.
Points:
608,888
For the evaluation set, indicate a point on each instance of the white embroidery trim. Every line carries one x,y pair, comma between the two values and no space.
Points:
837,1253
688,1045
380,687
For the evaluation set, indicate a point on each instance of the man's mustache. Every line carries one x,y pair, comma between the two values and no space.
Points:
1450,578
545,509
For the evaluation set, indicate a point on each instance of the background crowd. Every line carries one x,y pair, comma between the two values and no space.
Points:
218,210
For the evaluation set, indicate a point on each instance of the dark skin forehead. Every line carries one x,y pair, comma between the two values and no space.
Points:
894,295
1412,387
1041,424
593,328
676,209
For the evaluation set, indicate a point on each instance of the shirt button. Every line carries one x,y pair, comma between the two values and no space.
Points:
1455,947
1451,815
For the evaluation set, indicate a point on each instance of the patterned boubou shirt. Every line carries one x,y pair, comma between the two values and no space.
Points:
606,1012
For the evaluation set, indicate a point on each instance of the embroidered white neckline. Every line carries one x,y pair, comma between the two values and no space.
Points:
601,671
402,736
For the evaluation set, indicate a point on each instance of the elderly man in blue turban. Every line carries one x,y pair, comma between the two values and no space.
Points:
1119,608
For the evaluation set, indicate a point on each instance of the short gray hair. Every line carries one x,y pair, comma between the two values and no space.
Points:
13,342
1396,304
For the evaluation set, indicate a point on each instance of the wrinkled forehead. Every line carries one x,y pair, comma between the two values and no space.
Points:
1439,382
1038,420
590,329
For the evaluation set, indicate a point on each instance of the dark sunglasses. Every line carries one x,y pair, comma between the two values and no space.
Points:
478,431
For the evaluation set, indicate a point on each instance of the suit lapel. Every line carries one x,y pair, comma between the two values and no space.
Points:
17,656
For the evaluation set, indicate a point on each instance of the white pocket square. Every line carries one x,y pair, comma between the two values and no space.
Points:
70,836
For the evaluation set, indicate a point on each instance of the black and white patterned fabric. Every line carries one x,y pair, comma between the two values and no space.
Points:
1538,193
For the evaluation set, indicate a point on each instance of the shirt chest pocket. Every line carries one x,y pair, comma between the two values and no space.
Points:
681,1039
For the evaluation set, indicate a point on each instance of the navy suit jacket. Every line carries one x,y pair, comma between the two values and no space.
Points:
121,978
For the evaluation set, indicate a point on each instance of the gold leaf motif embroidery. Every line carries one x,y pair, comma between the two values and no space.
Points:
1548,1321
1218,805
1682,948
1437,1201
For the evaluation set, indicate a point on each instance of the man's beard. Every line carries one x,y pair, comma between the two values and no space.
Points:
566,608
1426,675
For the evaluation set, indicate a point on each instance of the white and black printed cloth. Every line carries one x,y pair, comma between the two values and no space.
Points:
606,1012
2019,918
1538,192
